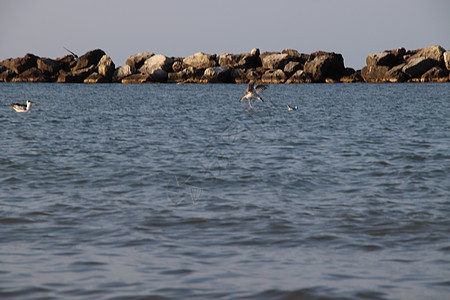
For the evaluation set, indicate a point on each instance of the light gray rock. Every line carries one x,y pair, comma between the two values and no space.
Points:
157,62
432,52
218,74
275,61
292,67
123,72
374,73
274,76
200,60
447,59
106,67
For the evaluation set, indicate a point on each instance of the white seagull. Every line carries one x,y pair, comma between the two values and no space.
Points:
22,107
73,54
252,92
292,107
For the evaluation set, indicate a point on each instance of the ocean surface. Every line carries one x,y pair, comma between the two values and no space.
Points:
159,191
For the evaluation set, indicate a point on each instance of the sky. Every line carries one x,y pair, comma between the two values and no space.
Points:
354,28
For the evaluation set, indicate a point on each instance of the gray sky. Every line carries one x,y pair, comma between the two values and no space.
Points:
354,28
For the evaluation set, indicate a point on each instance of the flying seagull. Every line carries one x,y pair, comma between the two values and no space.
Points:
73,54
292,107
22,107
252,92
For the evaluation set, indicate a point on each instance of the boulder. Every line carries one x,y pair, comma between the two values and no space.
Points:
123,72
158,75
96,78
238,75
77,76
66,60
275,61
31,75
374,73
137,60
189,74
254,74
106,67
274,76
432,52
177,66
218,74
20,64
416,67
396,74
353,77
157,62
325,65
435,74
292,67
244,60
300,77
381,59
200,60
136,78
49,66
88,59
447,59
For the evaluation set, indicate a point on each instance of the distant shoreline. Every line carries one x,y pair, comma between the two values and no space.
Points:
430,64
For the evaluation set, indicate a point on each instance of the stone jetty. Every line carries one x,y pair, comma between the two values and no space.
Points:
430,64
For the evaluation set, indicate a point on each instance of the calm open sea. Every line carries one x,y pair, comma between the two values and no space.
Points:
180,192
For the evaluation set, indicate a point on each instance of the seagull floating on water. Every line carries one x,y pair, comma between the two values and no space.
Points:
252,92
22,107
73,54
292,107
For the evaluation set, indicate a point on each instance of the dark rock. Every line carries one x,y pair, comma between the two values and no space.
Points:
274,76
244,60
31,75
396,74
374,73
238,75
292,67
435,74
300,77
432,52
158,75
20,64
49,66
177,66
254,74
137,60
325,65
200,60
218,74
353,77
189,74
381,59
416,67
90,58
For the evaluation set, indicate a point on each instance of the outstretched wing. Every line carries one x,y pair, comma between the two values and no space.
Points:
250,86
261,87
74,55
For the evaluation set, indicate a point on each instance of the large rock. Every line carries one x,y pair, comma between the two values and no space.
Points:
274,76
106,67
88,59
388,58
432,52
190,74
137,60
218,74
31,75
447,59
435,74
177,66
96,78
20,64
6,74
49,66
158,75
122,72
353,77
77,76
396,74
416,67
325,65
300,77
374,73
157,62
292,67
238,75
274,61
244,60
200,60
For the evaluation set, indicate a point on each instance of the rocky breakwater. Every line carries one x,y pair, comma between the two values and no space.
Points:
431,64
